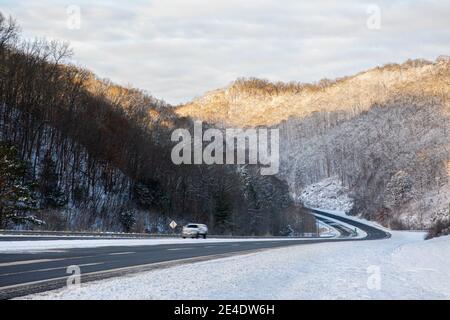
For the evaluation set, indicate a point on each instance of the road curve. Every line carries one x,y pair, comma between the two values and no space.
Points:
31,272
373,233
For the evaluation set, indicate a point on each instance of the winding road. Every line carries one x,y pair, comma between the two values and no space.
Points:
29,272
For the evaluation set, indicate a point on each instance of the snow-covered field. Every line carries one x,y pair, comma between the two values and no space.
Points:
403,267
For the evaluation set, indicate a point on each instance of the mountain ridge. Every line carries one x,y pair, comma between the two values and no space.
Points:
254,102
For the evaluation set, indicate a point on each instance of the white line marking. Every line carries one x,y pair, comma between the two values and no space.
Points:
120,253
18,263
24,262
49,269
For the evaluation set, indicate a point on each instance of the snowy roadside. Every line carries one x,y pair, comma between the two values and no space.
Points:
402,267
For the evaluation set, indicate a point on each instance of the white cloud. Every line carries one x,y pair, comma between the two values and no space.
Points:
178,49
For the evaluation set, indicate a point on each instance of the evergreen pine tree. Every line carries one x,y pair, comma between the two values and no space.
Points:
128,220
16,192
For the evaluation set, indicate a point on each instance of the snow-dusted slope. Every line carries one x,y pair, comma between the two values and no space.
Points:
387,269
327,194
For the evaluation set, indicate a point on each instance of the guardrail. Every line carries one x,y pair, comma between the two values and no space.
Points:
82,234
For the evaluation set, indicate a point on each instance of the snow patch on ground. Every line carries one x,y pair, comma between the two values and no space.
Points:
327,194
327,231
423,212
427,263
409,268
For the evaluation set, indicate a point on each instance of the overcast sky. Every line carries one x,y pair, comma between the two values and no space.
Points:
179,49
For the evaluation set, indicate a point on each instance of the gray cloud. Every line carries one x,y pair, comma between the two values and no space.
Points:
178,49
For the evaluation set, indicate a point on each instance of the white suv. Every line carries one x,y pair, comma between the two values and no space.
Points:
194,230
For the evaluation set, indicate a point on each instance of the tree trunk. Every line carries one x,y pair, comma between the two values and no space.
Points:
1,218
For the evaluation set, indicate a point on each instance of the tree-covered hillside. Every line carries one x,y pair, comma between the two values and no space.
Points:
382,134
98,154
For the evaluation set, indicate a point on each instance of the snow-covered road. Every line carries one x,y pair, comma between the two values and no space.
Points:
403,267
